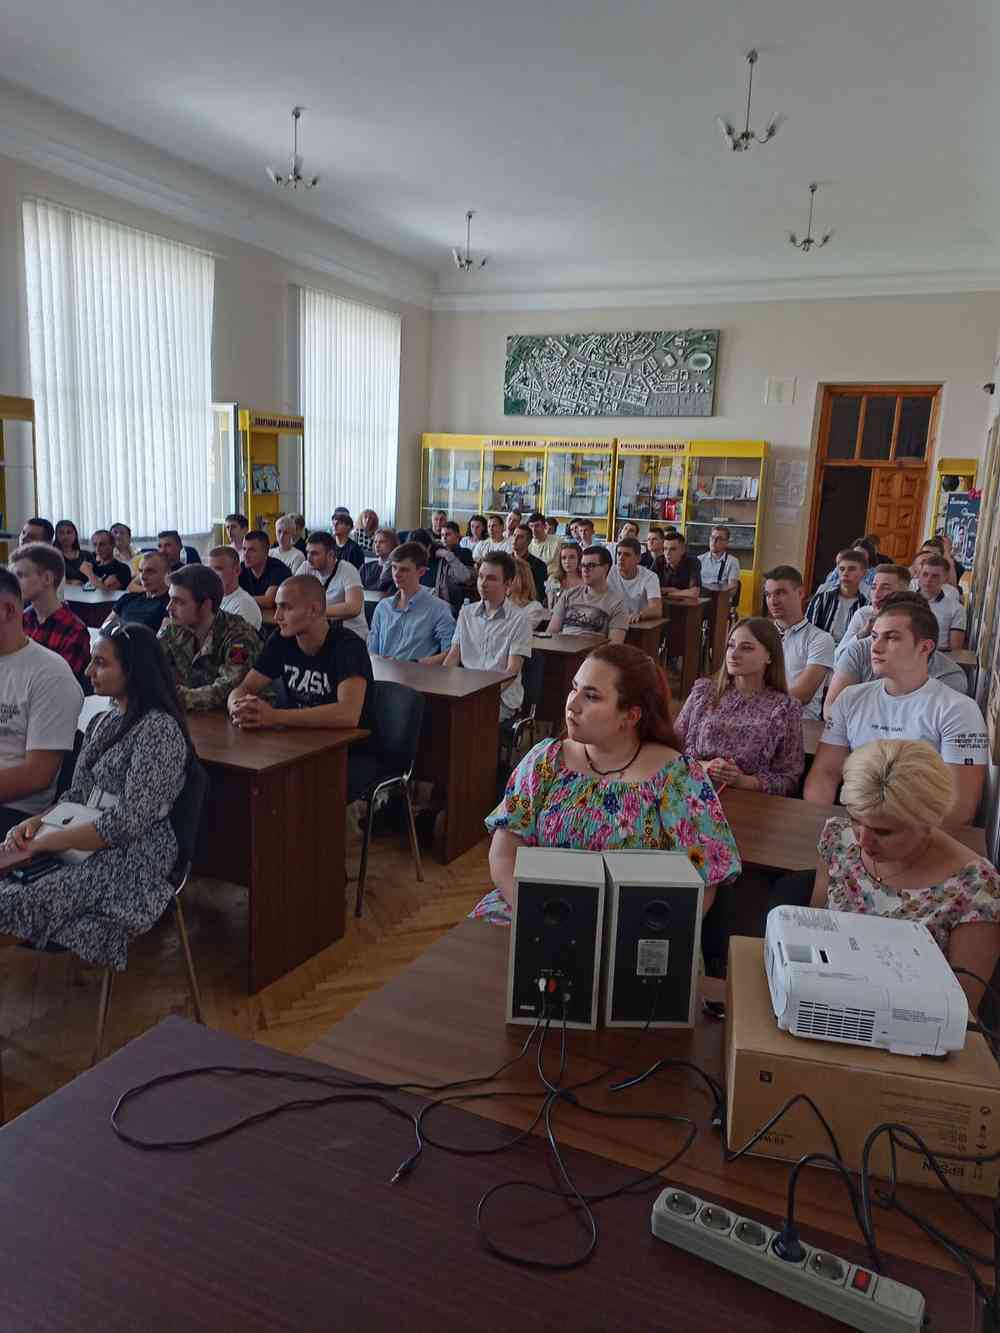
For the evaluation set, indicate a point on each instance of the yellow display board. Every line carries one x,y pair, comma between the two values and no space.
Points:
965,469
19,410
725,485
272,465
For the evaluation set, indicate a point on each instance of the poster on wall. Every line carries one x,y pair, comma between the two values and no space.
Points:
961,520
670,373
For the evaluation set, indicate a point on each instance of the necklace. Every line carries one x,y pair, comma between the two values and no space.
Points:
903,865
604,772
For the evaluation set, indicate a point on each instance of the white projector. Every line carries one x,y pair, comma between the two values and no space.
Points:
864,980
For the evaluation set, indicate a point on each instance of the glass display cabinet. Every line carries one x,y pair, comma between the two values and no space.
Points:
725,484
578,482
650,483
513,475
18,487
271,479
451,477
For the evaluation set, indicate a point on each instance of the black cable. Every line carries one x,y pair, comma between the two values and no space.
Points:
959,1253
793,1177
799,1097
986,985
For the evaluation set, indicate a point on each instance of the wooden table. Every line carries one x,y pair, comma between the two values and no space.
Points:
563,654
274,821
92,605
720,600
648,635
458,743
292,1224
781,833
684,638
413,1029
966,658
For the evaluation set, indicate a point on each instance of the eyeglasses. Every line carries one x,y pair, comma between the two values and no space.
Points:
592,564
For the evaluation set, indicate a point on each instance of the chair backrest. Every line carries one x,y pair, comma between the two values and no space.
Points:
68,765
185,813
532,677
398,713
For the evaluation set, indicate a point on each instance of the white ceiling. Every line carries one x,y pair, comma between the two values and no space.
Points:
582,133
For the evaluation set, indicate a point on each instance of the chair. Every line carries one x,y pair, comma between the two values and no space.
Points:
398,713
511,731
185,817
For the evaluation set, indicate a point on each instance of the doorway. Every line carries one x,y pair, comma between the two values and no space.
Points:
843,502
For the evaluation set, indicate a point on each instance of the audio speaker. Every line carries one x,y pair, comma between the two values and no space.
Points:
652,939
555,939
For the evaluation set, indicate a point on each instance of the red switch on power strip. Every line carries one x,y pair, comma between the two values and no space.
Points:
862,1281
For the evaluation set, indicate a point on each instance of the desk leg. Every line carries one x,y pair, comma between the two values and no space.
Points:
560,668
691,650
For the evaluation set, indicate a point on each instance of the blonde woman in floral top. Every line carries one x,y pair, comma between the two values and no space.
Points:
890,857
617,780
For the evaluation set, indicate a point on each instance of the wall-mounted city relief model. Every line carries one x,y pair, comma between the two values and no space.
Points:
666,374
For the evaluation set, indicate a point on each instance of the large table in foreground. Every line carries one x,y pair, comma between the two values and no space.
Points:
274,821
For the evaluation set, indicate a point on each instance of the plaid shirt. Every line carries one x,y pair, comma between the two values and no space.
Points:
64,633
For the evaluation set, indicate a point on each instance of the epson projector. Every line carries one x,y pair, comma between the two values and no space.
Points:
864,980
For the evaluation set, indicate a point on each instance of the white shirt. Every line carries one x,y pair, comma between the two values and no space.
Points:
862,617
949,614
487,639
293,558
39,708
548,550
949,589
854,659
949,721
336,585
719,569
838,627
805,645
486,545
240,603
638,591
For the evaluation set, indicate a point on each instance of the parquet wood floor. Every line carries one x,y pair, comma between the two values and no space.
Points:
48,1002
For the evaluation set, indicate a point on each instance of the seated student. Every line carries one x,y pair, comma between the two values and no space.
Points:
148,605
494,539
904,703
680,575
121,536
523,593
39,707
376,575
237,601
955,567
67,540
585,533
325,669
451,568
38,569
286,551
930,547
742,723
237,527
493,634
300,531
347,547
475,532
438,519
853,664
890,856
718,565
888,579
653,557
948,611
132,767
340,581
567,575
261,575
873,558
514,520
639,587
414,625
831,608
544,545
552,525
519,546
593,607
616,781
364,533
209,650
105,571
808,650
36,530
170,544
629,529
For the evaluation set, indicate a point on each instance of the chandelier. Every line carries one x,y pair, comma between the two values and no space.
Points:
741,141
465,263
809,240
294,178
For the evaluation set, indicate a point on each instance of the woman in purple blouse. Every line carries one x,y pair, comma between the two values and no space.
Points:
742,723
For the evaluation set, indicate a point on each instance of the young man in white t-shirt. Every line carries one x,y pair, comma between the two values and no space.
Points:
493,634
887,580
904,703
718,566
494,542
593,607
808,649
226,562
948,611
39,708
345,597
639,587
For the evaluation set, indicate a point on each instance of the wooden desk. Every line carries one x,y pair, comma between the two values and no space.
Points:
413,1028
966,658
684,638
92,605
563,654
274,821
238,1234
812,733
720,600
781,833
648,635
458,743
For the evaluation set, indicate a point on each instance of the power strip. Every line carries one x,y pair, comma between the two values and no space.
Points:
835,1287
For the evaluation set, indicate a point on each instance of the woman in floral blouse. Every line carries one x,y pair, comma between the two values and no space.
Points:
743,724
890,857
616,781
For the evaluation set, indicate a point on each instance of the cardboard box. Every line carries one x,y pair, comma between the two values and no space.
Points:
952,1103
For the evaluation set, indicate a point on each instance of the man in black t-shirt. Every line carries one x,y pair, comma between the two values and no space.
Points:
149,606
262,574
680,575
104,571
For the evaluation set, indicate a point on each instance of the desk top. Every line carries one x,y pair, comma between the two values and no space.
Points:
417,1027
964,657
90,596
292,1223
218,742
567,643
439,681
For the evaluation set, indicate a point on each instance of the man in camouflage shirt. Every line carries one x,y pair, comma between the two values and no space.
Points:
209,651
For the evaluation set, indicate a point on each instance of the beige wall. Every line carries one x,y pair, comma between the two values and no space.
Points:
947,339
254,323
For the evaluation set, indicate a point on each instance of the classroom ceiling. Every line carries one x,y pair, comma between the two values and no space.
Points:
583,133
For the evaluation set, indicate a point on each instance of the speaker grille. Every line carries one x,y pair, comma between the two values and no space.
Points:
823,1020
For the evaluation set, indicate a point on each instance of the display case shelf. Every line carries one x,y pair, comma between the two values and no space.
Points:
725,486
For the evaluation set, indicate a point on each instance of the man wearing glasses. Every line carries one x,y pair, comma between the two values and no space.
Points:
593,607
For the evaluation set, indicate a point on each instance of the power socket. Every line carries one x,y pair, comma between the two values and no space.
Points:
856,1296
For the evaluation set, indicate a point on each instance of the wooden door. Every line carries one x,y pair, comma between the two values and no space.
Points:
895,505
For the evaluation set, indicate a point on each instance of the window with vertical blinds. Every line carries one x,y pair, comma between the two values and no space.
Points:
349,396
120,341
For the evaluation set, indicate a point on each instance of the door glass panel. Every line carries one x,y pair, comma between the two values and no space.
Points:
876,442
844,412
914,425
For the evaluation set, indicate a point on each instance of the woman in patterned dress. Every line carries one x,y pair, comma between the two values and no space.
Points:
132,766
889,856
742,723
616,781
